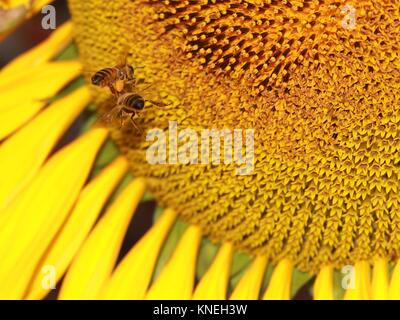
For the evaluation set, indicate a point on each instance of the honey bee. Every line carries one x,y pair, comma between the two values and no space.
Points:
115,78
129,105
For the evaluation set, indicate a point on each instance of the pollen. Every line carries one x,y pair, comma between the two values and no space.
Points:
317,80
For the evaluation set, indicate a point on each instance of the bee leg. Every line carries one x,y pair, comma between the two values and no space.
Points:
134,124
112,89
131,83
157,104
121,115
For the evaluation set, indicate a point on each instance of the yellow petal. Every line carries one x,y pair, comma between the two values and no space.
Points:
394,289
279,287
36,3
176,280
40,54
214,283
362,288
38,83
380,280
249,285
22,155
35,216
15,3
15,116
95,261
133,275
78,225
24,97
323,287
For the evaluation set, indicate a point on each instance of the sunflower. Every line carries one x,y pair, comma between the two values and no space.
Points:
321,207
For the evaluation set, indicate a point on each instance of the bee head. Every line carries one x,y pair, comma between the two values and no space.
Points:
121,75
96,79
130,72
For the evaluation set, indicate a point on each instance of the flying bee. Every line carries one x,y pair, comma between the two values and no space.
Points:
129,105
115,78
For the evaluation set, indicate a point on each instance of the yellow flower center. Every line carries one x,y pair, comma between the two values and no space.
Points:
317,80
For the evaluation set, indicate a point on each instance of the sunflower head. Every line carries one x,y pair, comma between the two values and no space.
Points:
322,98
314,80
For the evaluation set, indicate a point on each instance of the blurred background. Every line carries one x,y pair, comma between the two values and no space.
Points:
30,34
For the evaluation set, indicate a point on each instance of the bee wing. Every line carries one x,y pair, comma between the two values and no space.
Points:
122,61
93,71
123,56
89,74
112,117
138,86
142,92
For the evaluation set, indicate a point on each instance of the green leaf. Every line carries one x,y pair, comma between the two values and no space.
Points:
207,252
69,53
267,276
240,262
338,291
299,279
148,196
157,213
